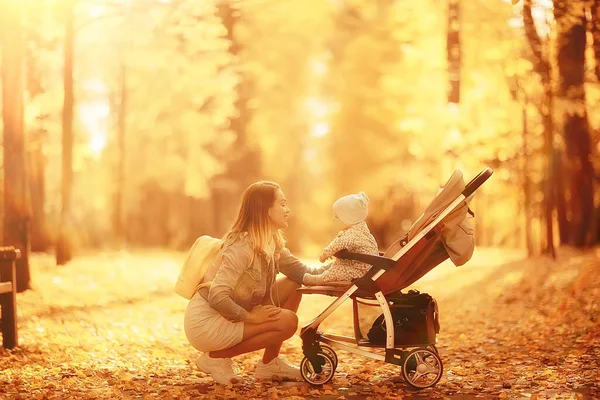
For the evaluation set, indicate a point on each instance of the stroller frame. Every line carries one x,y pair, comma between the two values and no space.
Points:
320,360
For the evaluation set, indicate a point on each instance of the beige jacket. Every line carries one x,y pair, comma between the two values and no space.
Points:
242,278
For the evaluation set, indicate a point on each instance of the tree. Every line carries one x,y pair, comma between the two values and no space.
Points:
118,223
178,127
17,206
571,31
64,251
243,159
595,28
542,66
40,46
453,50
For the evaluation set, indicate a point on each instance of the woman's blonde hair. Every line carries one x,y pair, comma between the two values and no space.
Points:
253,216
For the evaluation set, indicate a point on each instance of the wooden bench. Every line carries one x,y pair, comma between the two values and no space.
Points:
8,296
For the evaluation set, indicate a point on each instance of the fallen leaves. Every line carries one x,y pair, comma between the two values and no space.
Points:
110,326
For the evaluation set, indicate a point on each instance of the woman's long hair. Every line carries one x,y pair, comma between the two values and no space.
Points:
253,216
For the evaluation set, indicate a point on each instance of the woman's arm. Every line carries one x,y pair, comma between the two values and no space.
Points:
291,267
236,259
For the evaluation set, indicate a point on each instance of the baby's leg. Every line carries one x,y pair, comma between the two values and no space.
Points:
341,273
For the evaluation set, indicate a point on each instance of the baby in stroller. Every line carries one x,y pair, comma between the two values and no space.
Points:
350,210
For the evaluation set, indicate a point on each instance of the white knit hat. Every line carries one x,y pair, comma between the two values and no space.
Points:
352,209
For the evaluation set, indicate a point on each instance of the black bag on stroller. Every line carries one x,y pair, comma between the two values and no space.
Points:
415,318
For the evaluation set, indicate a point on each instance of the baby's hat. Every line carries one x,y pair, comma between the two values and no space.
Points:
352,209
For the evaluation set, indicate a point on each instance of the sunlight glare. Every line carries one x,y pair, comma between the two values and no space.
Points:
96,10
319,67
321,129
93,115
318,107
543,16
515,22
95,85
97,144
454,137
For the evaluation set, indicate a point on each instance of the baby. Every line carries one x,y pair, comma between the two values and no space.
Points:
351,211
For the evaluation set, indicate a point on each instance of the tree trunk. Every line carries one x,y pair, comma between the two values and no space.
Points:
120,178
40,240
571,27
594,26
64,251
239,122
527,184
595,29
542,68
561,203
17,206
453,51
244,166
549,190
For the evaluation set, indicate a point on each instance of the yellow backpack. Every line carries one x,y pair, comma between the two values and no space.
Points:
199,259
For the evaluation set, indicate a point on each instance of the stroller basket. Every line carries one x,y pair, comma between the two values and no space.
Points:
408,325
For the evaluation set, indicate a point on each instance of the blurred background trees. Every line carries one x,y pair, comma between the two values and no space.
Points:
175,106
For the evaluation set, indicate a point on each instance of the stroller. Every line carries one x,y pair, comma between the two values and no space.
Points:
407,328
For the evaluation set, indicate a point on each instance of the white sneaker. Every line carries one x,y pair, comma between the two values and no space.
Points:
277,368
222,370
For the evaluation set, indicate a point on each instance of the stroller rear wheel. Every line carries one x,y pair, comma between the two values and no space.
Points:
307,370
330,352
422,368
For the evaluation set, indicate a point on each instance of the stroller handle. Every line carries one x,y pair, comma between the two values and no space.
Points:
477,182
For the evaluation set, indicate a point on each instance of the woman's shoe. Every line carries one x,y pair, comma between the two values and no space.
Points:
220,369
277,368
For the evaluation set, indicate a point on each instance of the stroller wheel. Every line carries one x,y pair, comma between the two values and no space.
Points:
331,353
422,368
307,370
435,350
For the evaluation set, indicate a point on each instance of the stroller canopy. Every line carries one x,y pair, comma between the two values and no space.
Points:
451,237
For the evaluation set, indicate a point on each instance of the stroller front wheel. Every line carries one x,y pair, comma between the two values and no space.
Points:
308,370
422,368
330,352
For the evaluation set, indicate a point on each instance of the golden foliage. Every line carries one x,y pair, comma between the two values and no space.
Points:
340,97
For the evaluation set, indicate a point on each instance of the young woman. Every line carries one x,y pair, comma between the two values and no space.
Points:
245,309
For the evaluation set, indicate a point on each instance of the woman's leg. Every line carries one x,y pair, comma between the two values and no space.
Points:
270,335
258,336
284,296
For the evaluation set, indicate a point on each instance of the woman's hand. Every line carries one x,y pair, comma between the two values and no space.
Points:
261,314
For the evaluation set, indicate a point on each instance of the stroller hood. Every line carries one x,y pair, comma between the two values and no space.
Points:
457,231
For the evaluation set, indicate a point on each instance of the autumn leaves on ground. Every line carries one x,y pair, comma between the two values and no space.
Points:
110,326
